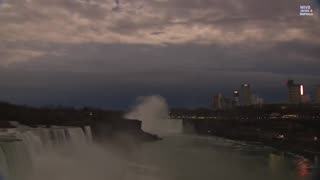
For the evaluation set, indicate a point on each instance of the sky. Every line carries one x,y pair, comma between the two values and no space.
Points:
106,53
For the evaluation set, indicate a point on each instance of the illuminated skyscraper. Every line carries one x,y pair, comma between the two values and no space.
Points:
245,95
295,92
236,98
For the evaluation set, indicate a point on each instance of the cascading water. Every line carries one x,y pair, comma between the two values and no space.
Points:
88,133
153,111
21,148
15,158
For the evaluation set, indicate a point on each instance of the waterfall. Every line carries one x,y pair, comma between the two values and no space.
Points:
15,159
88,133
20,146
77,136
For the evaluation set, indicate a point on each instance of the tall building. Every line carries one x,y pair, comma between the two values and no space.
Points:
295,92
236,101
256,100
317,100
218,101
245,95
221,102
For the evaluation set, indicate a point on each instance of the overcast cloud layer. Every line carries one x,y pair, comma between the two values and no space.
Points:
100,53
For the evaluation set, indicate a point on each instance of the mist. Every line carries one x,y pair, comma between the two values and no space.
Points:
153,111
87,162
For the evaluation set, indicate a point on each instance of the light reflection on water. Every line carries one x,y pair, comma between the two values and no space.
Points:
305,169
191,157
308,168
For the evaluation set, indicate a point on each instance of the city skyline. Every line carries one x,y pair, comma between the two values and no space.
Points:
245,95
106,53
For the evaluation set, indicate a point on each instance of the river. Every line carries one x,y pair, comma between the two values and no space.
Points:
70,154
184,157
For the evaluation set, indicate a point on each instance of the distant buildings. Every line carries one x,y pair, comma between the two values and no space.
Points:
256,100
244,97
247,98
295,92
221,102
298,95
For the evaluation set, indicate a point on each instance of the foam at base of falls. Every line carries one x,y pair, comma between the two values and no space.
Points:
163,126
21,147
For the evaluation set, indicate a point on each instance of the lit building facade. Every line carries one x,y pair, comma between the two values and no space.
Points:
295,92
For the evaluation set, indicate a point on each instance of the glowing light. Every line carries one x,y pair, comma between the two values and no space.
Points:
303,167
301,90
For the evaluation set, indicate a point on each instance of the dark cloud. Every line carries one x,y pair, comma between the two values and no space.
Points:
79,52
187,74
157,32
293,57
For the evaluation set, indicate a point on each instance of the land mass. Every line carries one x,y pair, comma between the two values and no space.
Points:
291,128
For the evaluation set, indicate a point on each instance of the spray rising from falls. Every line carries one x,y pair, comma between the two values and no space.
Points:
153,111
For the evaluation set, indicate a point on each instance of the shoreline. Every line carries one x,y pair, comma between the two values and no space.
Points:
286,141
278,146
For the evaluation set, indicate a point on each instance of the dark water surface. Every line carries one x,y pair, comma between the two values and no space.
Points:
193,157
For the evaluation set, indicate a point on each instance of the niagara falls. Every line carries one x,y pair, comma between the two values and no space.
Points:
159,90
72,153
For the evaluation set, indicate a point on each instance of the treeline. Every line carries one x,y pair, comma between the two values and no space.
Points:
48,116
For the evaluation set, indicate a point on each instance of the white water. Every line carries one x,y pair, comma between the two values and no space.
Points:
153,111
23,149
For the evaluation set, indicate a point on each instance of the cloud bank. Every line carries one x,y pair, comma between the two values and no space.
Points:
164,42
